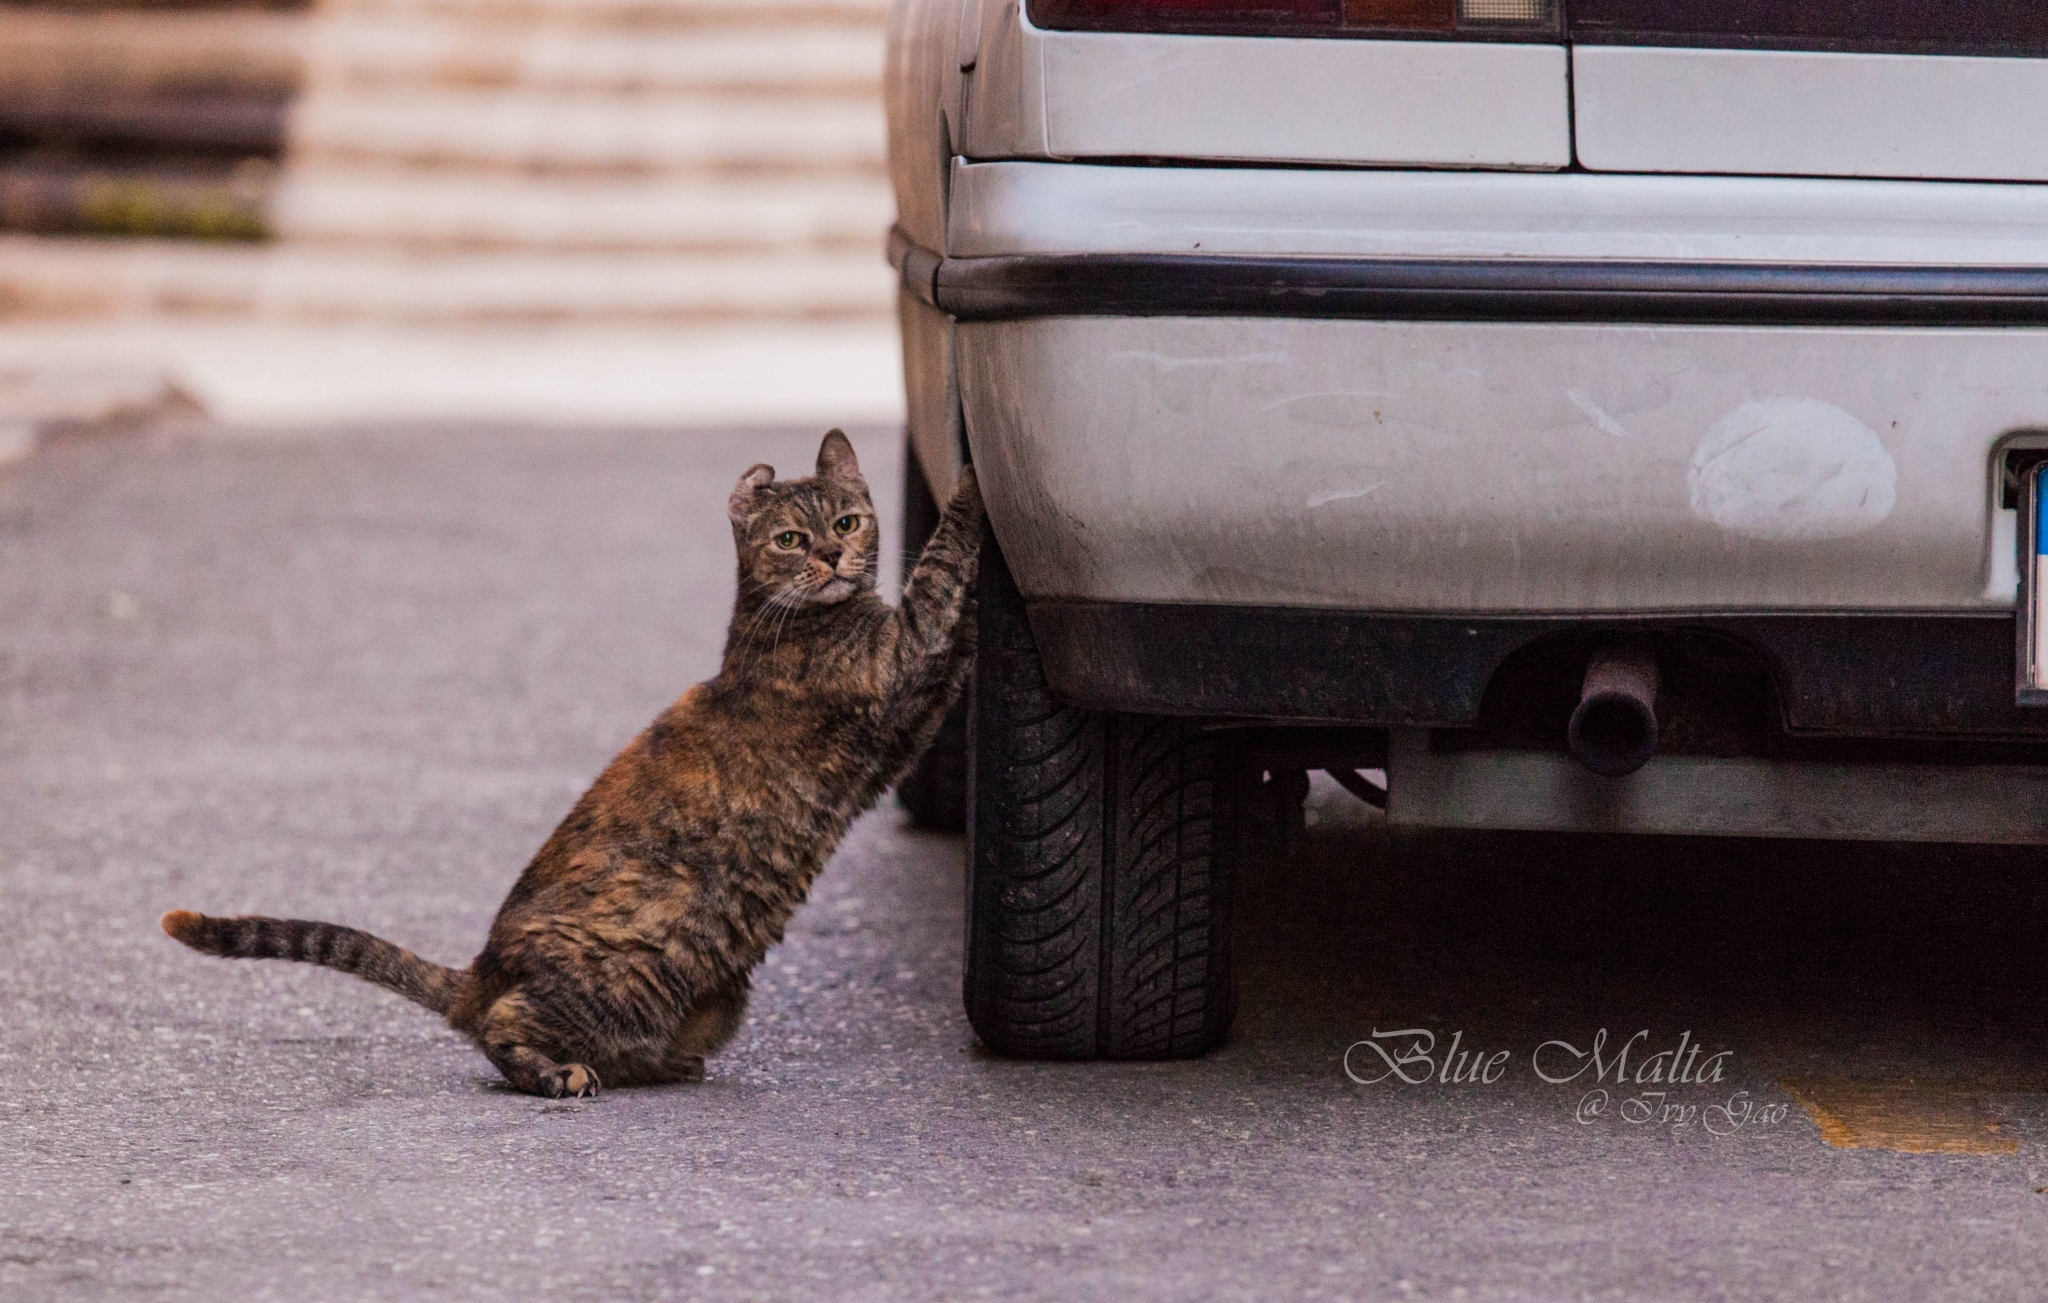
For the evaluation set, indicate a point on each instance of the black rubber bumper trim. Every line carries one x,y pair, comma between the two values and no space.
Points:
1495,289
1850,675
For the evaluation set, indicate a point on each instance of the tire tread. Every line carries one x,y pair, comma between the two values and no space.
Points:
1098,903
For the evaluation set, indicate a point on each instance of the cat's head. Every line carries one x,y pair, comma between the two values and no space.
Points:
810,541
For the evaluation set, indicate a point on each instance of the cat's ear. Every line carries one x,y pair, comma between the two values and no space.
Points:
837,463
742,498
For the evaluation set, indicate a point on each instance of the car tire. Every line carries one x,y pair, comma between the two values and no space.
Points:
935,790
1099,864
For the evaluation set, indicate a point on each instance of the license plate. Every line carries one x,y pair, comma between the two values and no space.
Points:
2033,612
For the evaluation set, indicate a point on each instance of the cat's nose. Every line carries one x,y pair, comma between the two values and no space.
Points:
831,560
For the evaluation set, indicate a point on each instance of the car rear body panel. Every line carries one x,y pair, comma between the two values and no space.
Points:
1389,103
1801,113
1041,94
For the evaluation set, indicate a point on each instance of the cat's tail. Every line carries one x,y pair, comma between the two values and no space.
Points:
328,944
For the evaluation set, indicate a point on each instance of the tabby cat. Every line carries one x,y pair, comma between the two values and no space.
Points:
622,955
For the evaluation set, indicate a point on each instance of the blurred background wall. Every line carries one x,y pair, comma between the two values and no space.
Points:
603,211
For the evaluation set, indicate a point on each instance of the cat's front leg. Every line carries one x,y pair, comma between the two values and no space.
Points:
939,593
935,631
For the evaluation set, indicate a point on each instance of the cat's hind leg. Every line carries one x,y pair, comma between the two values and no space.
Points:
506,1035
712,1023
704,1032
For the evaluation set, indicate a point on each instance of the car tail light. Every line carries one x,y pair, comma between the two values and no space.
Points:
1425,19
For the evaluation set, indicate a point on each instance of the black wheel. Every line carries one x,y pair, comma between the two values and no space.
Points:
935,791
1099,884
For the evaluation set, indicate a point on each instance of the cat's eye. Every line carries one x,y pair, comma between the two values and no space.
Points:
788,539
846,524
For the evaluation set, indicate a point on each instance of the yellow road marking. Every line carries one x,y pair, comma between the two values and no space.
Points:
1904,1116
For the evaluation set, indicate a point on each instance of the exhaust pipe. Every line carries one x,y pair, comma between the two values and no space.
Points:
1614,730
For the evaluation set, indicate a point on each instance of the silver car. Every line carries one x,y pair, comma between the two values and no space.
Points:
1577,414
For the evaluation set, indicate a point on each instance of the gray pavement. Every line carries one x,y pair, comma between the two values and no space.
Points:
358,676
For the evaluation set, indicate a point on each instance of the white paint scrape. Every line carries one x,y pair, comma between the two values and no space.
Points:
1597,414
1792,470
1341,495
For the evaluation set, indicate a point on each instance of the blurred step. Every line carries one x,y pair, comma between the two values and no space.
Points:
305,283
429,209
149,123
207,200
450,164
616,134
217,82
828,60
645,15
52,278
222,124
580,374
168,6
50,49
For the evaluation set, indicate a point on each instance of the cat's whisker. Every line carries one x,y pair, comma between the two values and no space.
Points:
777,612
781,598
796,596
754,623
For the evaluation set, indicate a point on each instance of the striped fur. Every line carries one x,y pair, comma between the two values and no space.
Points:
623,953
329,945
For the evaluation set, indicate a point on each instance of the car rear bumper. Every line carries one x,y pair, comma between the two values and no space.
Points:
1230,399
1502,468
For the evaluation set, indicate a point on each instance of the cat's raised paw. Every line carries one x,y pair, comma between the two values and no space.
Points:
967,490
571,1081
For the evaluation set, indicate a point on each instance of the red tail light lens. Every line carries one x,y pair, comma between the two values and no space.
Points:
1458,19
1402,15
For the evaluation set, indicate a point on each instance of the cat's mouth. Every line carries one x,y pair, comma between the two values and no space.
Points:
836,589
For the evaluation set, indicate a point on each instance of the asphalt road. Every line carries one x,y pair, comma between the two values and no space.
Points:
358,677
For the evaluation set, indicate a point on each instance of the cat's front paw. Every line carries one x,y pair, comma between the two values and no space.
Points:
572,1081
967,494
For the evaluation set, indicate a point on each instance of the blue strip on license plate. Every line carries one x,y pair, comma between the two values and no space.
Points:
2037,585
